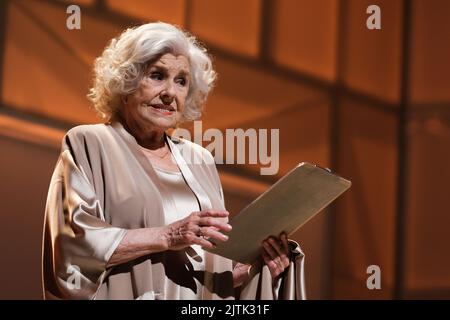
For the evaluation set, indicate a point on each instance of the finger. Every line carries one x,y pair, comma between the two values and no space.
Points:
273,267
204,243
286,259
192,238
281,260
213,234
280,264
214,213
214,222
270,251
276,246
197,230
284,242
279,246
268,260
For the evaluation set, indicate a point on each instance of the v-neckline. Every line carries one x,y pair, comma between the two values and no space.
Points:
188,176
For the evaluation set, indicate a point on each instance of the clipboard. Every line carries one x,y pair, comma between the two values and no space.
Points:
286,206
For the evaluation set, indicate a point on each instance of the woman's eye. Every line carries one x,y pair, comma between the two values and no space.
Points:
156,76
181,81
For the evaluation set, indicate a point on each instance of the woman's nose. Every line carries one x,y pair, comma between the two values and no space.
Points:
168,93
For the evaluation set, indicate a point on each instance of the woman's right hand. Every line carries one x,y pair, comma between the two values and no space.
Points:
197,228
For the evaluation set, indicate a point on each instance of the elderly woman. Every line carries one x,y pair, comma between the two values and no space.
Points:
127,215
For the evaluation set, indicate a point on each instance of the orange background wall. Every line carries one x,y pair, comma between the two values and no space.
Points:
374,105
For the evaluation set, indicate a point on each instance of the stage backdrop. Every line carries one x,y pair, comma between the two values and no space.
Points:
374,105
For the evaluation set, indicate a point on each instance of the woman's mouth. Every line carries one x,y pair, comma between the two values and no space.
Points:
160,108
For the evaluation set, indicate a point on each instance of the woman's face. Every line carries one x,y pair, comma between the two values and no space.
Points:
159,100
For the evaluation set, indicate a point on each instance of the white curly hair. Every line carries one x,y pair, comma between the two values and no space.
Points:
120,68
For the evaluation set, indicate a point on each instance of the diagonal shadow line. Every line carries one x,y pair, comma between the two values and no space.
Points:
442,111
34,117
53,35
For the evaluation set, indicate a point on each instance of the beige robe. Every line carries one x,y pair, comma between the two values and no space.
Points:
103,185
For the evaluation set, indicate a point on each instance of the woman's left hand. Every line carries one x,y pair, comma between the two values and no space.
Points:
275,254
